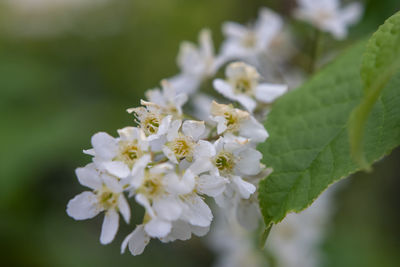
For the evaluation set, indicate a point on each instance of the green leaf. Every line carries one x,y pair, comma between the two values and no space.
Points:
308,147
380,62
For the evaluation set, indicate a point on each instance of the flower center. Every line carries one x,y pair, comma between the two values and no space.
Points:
151,186
243,86
224,161
151,125
129,152
231,121
182,148
107,198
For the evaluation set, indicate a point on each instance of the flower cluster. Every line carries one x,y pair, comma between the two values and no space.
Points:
169,164
172,163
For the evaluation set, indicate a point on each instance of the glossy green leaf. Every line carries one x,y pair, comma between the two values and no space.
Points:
380,62
308,147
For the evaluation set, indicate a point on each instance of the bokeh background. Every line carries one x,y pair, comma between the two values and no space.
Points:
69,69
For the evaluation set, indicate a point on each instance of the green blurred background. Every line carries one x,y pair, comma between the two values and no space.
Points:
67,72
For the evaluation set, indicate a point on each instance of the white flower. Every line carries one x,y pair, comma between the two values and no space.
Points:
196,63
233,120
327,16
243,85
107,196
173,209
152,120
232,158
118,156
181,144
246,43
167,99
158,191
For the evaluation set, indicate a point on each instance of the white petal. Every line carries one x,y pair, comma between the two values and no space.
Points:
351,13
137,173
83,206
162,129
180,100
204,149
110,226
267,93
179,185
90,152
223,200
157,228
124,209
129,133
169,154
247,102
112,183
180,230
206,44
142,200
89,176
104,145
157,144
224,88
167,208
233,29
268,26
211,185
248,215
155,96
201,165
117,168
245,188
200,231
196,211
219,144
221,124
169,91
337,28
137,241
249,162
161,168
186,82
193,128
173,130
254,130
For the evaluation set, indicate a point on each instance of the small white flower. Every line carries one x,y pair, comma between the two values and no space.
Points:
152,120
106,196
118,156
233,120
246,43
196,63
167,99
158,191
181,143
327,15
232,158
243,85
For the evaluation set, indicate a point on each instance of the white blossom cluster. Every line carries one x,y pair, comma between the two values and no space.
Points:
172,163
